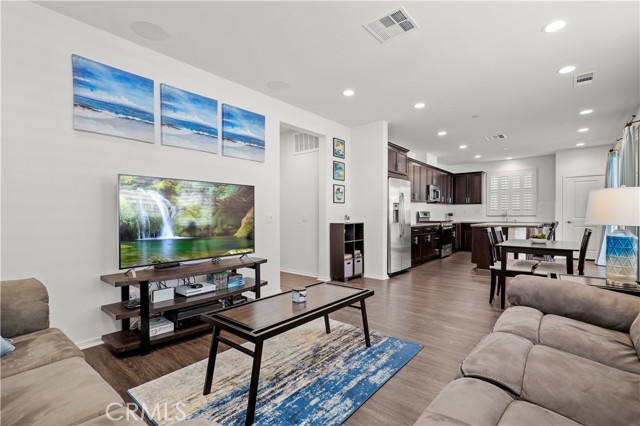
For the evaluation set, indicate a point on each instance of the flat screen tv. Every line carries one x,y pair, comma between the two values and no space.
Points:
164,220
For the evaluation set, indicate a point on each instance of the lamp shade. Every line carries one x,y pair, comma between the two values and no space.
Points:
614,206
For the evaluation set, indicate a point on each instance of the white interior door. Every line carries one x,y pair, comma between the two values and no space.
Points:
574,208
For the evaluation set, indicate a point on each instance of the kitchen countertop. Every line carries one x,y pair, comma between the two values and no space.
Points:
509,224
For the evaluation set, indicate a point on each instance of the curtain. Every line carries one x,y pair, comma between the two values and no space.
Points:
611,180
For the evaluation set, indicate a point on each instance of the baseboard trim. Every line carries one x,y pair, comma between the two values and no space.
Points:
89,343
377,277
296,272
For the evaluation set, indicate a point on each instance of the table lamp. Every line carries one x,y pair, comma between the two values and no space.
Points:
621,207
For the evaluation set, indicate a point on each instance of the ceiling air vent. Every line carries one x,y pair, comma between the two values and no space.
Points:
583,79
391,25
495,137
305,143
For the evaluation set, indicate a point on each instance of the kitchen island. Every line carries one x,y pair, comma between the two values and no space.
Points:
480,244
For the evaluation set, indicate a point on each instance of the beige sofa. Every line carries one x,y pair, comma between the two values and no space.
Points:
563,354
46,380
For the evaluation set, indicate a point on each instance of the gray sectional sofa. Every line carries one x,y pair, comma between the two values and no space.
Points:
46,380
563,354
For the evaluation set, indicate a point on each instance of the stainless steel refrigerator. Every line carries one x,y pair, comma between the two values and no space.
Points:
399,230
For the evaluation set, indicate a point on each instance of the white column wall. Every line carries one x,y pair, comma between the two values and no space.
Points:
369,193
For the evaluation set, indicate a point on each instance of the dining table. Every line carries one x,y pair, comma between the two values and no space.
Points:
548,247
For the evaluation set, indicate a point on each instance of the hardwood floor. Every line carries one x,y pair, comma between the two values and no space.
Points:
442,305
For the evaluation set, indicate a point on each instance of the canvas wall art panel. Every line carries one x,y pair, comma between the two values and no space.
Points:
111,101
338,148
338,193
338,170
243,133
188,120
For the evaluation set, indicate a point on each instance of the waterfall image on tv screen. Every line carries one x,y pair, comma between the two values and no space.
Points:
172,220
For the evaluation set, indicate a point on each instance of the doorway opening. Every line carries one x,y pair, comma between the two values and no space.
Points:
299,200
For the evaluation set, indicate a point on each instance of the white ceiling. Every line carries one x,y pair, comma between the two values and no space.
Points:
489,59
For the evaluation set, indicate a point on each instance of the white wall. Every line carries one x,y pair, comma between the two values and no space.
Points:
298,208
59,185
545,168
369,193
576,162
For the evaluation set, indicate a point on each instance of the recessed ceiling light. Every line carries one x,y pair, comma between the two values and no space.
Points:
277,85
584,129
419,105
149,31
477,156
580,144
586,111
463,147
567,69
509,158
349,92
554,26
442,133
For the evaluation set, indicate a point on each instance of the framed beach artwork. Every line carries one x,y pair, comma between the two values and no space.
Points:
242,134
338,193
110,101
188,120
338,148
338,170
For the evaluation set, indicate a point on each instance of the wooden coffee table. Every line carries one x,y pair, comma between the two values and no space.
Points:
261,319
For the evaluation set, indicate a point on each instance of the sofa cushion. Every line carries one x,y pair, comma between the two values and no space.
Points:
499,358
24,307
522,321
609,347
583,390
37,349
603,308
522,413
67,392
466,401
634,333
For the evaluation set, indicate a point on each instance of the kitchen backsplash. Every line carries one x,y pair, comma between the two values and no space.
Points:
478,212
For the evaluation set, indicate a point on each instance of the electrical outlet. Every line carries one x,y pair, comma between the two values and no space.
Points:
269,219
305,218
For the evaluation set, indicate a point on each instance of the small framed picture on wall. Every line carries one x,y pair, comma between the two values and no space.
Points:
338,193
338,148
338,170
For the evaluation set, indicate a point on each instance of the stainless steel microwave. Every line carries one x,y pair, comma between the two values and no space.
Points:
433,192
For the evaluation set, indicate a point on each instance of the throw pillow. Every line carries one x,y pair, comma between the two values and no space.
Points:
6,346
634,333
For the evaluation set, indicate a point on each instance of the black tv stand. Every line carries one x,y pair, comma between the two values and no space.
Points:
166,265
127,340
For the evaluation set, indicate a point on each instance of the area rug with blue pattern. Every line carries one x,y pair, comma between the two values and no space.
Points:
307,377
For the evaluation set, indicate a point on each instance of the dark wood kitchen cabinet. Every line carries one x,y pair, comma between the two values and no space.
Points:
418,189
425,243
446,188
467,188
457,237
398,161
421,175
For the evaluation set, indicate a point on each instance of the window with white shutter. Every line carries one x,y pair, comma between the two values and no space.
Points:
513,193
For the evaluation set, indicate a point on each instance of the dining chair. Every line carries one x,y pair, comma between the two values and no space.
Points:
544,268
551,236
514,266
